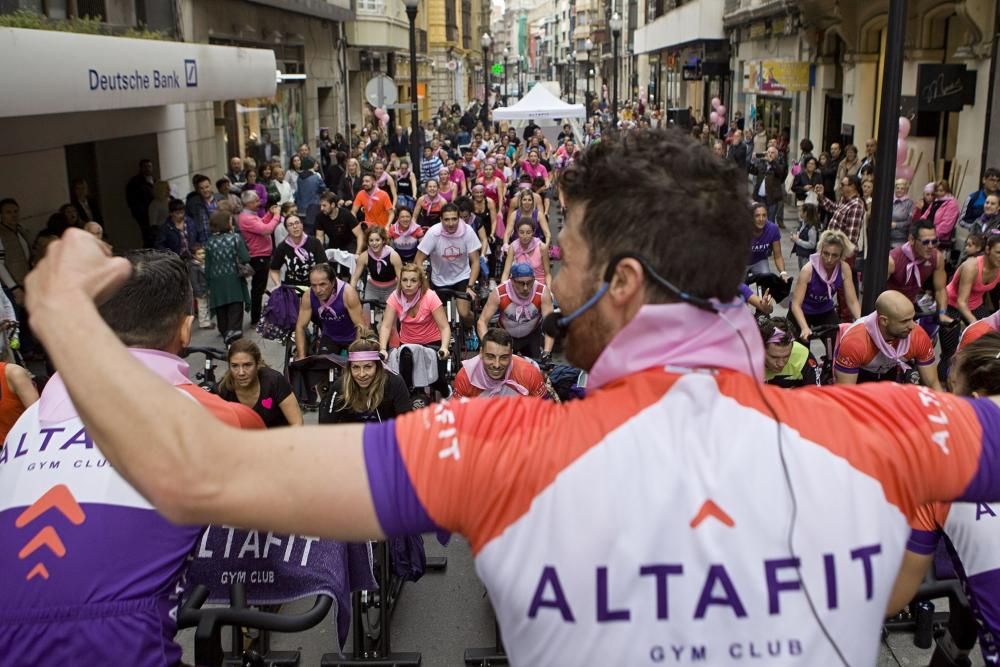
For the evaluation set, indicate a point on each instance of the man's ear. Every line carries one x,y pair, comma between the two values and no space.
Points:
184,331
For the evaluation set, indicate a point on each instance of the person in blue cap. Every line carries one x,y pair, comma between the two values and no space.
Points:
522,302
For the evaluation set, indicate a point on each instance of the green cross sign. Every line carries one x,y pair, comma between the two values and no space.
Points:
497,69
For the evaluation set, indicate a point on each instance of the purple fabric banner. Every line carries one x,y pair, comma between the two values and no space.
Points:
281,568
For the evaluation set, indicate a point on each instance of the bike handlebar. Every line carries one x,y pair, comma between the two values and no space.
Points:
210,352
378,303
454,294
192,615
823,331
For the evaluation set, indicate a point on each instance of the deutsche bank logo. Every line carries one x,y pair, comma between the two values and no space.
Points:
191,73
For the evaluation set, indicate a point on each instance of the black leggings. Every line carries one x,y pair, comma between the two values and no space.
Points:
229,317
406,368
258,285
530,345
949,337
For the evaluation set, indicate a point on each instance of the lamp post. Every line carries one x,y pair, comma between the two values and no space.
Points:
487,42
572,75
411,13
522,75
506,55
616,31
587,47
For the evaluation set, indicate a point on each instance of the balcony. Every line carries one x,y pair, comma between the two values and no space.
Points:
377,24
693,22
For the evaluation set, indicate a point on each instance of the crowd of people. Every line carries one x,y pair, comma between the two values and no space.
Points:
585,230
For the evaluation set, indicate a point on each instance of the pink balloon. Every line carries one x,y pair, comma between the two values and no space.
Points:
904,171
716,102
902,152
904,127
713,118
722,111
383,122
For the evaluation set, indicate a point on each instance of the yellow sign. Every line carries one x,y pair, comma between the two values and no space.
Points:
783,76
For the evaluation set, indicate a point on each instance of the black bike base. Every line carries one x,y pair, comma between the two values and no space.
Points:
436,563
272,659
485,657
392,660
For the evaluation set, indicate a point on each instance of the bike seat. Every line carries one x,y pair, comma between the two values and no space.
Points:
210,352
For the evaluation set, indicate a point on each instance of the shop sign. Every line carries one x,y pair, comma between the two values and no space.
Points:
945,87
782,76
758,30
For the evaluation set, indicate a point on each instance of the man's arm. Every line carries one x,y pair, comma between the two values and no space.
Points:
929,376
353,304
19,381
474,269
489,310
548,342
940,277
168,442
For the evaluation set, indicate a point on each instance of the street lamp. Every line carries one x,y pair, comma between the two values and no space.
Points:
487,42
572,69
506,55
411,13
616,32
522,73
587,47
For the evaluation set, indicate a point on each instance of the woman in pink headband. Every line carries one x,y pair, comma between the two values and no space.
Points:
367,392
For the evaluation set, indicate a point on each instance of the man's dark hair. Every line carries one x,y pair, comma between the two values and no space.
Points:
855,182
464,205
198,179
922,224
499,336
675,204
326,270
145,161
175,205
7,201
221,182
769,325
991,171
328,197
449,208
154,300
806,146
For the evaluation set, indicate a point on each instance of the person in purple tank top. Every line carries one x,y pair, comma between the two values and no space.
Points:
765,243
335,307
911,264
814,298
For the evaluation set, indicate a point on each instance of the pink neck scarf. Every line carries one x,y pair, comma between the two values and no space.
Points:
299,248
457,234
912,265
408,302
405,232
480,379
894,354
678,334
328,304
380,259
520,248
820,271
438,199
521,310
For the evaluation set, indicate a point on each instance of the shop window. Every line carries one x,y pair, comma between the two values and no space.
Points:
279,117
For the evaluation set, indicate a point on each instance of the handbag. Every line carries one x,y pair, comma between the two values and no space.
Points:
243,270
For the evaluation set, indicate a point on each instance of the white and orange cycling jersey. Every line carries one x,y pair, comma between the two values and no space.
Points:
650,522
856,351
979,328
971,533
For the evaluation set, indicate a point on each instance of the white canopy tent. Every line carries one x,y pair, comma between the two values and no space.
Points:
545,108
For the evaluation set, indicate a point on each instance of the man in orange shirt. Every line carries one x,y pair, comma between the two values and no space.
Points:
883,343
497,371
374,203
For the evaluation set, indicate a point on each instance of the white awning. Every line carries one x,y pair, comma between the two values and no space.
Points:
694,21
539,102
46,72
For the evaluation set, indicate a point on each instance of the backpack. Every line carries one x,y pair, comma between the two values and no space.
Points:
280,314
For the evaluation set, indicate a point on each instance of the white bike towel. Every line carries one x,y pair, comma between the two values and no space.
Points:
425,367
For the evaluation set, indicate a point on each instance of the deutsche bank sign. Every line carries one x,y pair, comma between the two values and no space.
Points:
68,72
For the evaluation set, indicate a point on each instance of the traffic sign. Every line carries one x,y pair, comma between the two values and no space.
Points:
381,91
497,69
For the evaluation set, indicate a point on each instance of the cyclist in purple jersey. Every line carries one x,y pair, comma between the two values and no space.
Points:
334,306
813,301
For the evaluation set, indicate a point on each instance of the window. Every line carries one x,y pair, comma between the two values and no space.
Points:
466,24
371,7
450,21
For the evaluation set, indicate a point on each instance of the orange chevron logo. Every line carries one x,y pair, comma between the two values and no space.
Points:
710,509
60,498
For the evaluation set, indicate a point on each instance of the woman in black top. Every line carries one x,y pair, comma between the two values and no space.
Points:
298,253
366,392
266,391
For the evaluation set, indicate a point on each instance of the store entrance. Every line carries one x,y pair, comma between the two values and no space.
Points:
776,115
